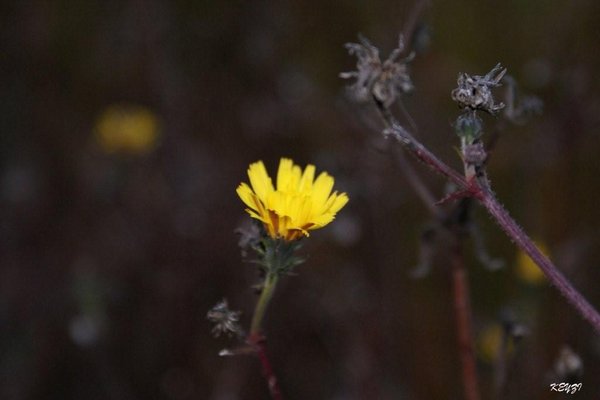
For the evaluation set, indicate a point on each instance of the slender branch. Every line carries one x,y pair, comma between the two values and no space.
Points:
426,156
484,195
514,231
462,310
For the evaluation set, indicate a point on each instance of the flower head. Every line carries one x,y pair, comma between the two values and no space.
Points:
299,202
127,129
387,80
225,320
475,92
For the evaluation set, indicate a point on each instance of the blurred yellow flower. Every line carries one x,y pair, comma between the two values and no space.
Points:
300,202
489,343
527,271
128,129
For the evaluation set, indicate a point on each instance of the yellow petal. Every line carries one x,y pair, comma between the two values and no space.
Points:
260,180
322,189
323,219
339,201
246,194
253,214
292,185
276,201
284,173
293,208
306,182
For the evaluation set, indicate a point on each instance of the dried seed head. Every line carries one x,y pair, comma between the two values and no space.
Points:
475,92
225,320
386,81
568,366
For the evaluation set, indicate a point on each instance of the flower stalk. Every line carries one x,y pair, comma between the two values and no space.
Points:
256,338
263,301
276,258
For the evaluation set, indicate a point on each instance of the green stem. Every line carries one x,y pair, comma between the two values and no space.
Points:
263,302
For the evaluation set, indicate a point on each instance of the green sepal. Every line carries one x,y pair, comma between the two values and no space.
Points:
469,127
277,256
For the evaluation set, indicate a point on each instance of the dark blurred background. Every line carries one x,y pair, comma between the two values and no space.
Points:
127,125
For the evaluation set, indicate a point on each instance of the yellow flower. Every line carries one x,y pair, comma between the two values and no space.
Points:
300,202
489,343
528,271
127,129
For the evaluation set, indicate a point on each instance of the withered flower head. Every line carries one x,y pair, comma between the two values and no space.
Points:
385,81
475,92
225,320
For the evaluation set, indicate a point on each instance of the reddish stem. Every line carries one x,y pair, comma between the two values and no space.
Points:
258,342
484,195
426,156
393,128
514,231
464,330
